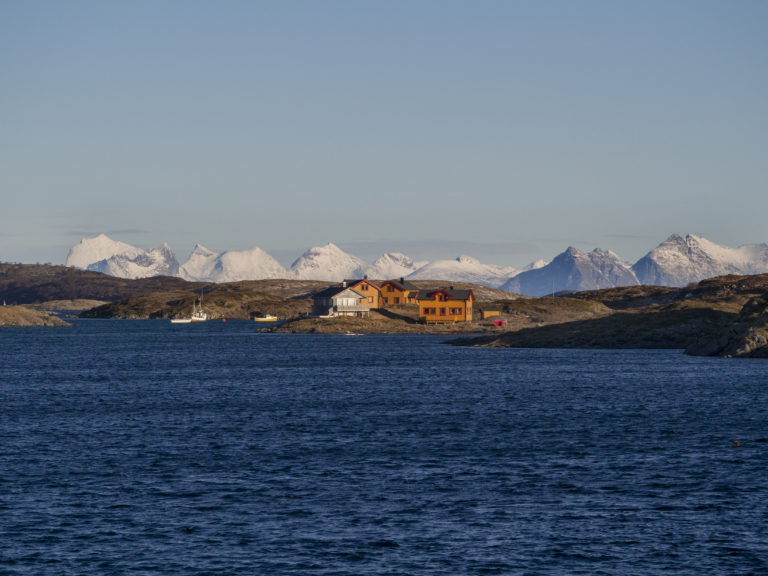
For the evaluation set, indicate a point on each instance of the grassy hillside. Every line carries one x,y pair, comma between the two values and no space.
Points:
23,316
38,283
719,310
221,302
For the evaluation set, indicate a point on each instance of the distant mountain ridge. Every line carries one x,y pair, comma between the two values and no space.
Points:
573,270
679,261
464,269
204,265
675,262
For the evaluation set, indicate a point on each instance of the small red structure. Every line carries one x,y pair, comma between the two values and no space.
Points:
499,322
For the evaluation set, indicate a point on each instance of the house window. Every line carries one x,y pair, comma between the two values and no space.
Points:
390,289
386,300
370,299
397,300
442,311
364,287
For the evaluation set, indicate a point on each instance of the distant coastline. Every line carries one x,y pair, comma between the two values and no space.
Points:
723,316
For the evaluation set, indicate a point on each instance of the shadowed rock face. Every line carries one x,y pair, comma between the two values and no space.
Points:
746,337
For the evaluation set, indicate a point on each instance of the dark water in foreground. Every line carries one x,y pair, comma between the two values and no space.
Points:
142,448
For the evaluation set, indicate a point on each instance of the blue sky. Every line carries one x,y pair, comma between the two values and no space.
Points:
504,130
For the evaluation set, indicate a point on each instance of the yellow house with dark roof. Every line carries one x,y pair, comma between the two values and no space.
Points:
399,292
445,305
371,292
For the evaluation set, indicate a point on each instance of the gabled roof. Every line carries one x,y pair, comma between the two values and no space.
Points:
404,285
332,291
355,282
449,294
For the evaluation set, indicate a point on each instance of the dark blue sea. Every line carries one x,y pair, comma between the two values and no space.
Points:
138,447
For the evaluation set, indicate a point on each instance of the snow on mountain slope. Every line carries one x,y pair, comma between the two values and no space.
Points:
464,269
393,265
327,262
101,247
540,263
155,262
573,270
253,264
675,262
205,265
200,265
678,261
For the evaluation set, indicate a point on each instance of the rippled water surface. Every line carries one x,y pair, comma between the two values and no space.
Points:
145,448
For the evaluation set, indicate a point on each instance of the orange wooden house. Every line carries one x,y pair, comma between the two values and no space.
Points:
370,291
445,305
399,292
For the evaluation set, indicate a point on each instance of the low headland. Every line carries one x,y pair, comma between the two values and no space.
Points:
23,316
723,316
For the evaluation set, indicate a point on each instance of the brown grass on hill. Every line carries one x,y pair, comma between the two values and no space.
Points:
23,316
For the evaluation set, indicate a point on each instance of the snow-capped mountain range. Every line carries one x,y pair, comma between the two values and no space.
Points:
678,261
573,270
675,262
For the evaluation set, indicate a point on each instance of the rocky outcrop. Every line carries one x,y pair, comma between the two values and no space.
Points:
746,337
18,316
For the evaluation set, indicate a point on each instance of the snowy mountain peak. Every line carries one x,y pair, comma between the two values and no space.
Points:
573,270
327,262
91,250
464,269
392,265
155,262
204,265
679,261
200,249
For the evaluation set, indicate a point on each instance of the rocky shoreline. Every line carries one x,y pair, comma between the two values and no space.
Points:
21,316
724,316
699,330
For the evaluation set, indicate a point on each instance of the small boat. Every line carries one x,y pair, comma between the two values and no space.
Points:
266,318
198,314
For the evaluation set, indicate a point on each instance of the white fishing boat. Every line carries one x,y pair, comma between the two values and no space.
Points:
198,314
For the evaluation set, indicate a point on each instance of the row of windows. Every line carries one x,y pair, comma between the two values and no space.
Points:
444,311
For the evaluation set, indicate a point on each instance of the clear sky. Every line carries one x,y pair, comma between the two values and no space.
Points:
505,130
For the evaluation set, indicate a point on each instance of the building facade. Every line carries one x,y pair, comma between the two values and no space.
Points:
339,301
399,292
445,305
369,290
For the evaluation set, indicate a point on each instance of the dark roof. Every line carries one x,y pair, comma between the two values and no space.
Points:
452,294
354,282
332,291
405,285
328,292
